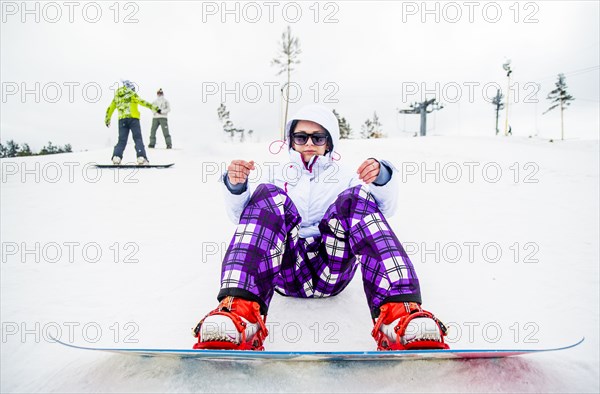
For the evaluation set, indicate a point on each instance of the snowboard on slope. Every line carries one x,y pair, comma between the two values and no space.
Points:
401,355
134,165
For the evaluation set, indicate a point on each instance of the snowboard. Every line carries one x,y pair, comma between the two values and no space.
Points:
247,355
134,165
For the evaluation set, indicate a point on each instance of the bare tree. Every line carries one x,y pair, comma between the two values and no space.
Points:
228,127
372,128
227,123
289,51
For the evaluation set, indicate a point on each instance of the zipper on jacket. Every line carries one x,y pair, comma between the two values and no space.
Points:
312,165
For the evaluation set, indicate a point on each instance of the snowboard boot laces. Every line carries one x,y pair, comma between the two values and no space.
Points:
235,324
405,325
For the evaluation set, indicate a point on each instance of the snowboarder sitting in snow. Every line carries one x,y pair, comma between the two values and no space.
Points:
126,100
304,235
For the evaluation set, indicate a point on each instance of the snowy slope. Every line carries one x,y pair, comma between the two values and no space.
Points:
126,256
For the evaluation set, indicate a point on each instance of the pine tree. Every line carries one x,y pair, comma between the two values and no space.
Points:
49,149
242,135
560,98
498,106
25,151
366,129
372,128
345,130
228,124
224,117
12,148
285,60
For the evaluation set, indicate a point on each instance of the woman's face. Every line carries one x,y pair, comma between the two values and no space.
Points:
307,150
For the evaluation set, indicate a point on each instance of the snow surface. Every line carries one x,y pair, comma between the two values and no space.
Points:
173,222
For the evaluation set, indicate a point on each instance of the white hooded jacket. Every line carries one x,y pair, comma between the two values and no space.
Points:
313,187
162,103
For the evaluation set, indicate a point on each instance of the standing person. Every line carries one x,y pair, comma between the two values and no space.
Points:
303,231
126,100
160,117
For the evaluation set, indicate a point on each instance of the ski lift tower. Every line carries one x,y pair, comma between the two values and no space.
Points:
506,67
423,108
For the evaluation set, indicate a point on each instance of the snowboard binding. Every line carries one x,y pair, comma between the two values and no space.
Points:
405,326
236,324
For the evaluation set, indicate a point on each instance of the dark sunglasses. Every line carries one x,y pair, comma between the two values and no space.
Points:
302,138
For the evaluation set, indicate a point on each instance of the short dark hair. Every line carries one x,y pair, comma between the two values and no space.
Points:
293,128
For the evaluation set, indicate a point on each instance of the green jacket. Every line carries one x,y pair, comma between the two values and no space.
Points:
126,101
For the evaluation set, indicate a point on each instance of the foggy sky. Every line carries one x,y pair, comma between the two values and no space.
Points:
357,57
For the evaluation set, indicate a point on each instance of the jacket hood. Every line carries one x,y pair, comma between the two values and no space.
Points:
318,114
129,84
125,93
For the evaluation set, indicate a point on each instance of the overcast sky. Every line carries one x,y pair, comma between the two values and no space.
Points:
357,57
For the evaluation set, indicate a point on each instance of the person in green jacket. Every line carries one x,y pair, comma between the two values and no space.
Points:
126,100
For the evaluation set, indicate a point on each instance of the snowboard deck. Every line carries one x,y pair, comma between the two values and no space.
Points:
134,165
401,355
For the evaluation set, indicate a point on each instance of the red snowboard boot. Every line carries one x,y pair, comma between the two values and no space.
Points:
405,325
236,324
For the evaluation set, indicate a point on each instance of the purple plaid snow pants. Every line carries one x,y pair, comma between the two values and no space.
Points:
266,253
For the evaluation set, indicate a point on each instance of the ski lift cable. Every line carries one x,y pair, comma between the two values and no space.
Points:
582,72
572,73
403,129
584,99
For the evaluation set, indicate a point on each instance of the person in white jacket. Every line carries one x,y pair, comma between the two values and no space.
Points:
303,229
160,118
